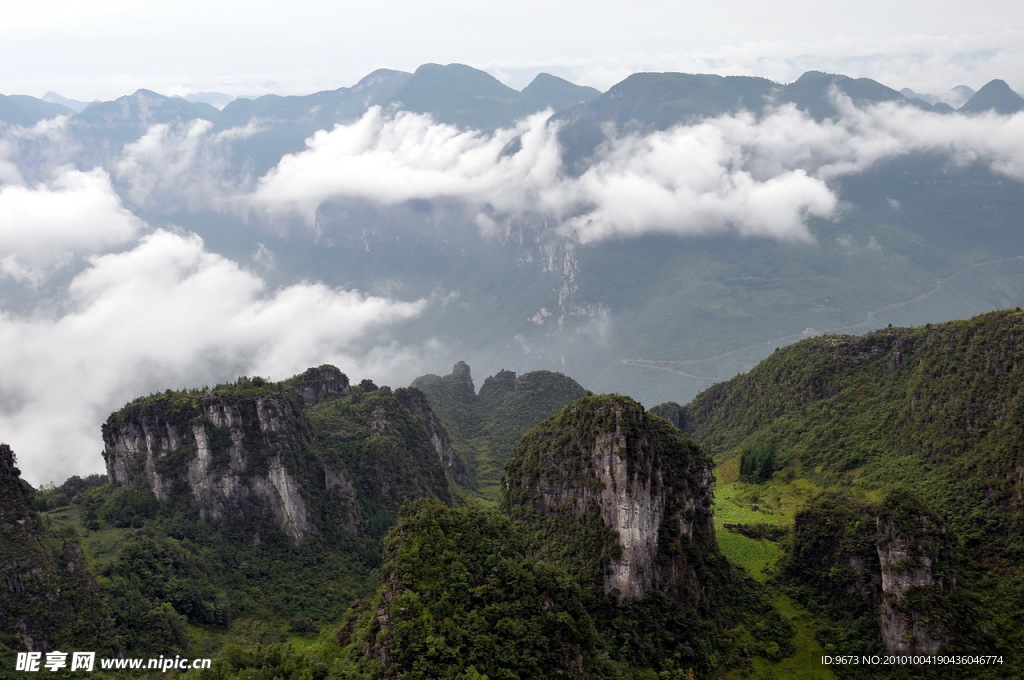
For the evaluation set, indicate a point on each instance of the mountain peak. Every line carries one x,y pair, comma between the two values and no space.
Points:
651,488
996,96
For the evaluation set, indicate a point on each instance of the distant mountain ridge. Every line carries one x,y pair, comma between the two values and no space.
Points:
468,97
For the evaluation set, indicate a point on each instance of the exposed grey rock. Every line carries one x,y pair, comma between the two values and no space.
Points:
229,452
651,487
916,567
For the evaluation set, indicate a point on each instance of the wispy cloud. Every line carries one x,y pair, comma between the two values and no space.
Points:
147,309
182,167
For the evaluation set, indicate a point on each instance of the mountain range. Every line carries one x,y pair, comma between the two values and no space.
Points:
835,234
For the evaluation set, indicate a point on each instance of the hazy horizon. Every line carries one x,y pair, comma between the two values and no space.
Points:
107,49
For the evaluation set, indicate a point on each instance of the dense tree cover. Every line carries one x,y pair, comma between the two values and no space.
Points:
757,464
834,568
461,595
47,595
385,451
935,411
485,427
160,573
469,592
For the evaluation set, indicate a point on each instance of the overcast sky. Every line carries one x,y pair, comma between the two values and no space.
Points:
107,48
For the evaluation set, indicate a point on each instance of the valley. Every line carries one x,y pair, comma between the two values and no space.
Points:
753,356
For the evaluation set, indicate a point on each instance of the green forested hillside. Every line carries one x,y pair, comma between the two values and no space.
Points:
533,590
870,485
939,408
485,427
933,413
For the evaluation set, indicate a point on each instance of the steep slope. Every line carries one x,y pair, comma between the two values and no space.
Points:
601,563
304,456
251,509
48,598
933,413
604,463
939,405
885,575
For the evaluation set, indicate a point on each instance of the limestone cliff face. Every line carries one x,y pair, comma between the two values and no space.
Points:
307,456
649,486
915,560
887,565
414,400
230,453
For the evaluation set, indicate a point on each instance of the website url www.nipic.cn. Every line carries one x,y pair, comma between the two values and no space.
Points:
86,661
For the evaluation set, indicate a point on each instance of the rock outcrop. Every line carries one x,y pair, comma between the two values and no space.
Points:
634,478
414,400
915,560
232,452
47,595
306,456
320,384
887,567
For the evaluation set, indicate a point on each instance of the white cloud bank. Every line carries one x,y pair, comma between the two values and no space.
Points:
42,227
168,313
741,173
396,157
182,167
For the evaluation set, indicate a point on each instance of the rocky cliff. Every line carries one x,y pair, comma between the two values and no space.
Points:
263,456
231,452
636,485
454,466
918,583
885,568
46,592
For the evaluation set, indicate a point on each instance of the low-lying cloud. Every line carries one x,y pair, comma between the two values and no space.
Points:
391,158
753,175
141,309
182,167
168,313
43,227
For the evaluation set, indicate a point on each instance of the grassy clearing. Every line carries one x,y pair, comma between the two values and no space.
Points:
805,663
775,503
757,557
